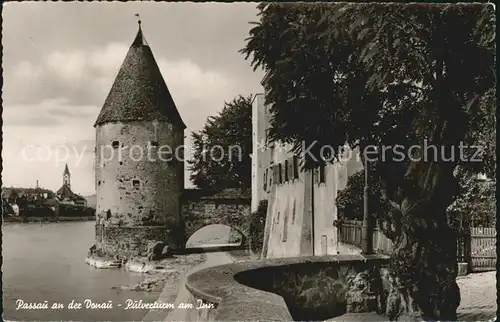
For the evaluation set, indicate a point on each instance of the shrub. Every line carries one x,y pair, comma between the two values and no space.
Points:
66,210
350,201
476,203
37,212
257,227
234,236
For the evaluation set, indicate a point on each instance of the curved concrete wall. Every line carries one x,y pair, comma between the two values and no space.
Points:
138,185
286,289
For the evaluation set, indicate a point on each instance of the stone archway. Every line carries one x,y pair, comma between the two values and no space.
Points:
216,234
202,213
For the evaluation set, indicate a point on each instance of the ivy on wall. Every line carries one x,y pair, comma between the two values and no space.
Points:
257,227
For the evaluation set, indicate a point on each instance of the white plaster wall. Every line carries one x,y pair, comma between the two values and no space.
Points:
325,195
285,196
156,201
325,212
300,232
325,209
281,207
260,153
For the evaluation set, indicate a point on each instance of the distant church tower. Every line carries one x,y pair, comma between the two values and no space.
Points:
66,177
138,188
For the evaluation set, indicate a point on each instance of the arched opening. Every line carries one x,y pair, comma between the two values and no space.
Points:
215,235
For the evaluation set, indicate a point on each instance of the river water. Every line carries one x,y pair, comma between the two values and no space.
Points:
47,263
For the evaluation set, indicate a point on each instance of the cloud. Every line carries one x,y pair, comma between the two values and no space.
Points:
109,59
44,119
84,78
68,66
49,112
59,66
197,93
41,121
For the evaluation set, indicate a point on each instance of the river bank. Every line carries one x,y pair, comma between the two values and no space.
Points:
46,219
160,273
183,296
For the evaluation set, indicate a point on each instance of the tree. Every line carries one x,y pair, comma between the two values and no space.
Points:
222,148
476,202
390,75
13,196
350,201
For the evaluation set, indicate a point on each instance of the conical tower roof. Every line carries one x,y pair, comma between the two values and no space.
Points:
66,170
139,91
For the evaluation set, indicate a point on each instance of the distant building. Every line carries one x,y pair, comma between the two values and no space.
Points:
301,204
65,195
20,199
14,195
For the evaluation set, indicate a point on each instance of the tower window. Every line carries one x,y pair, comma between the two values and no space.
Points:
115,144
136,184
280,173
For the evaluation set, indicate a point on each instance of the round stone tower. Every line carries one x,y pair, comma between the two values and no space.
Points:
139,160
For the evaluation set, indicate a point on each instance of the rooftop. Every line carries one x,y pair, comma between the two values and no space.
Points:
7,191
139,91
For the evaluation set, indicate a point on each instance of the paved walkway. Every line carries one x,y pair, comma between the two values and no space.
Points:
479,297
213,259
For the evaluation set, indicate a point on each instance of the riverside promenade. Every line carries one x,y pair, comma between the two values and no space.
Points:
477,291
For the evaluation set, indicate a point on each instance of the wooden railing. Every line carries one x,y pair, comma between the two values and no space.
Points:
475,245
482,247
351,233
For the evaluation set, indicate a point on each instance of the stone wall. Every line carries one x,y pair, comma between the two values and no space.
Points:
319,291
128,242
135,187
199,213
284,289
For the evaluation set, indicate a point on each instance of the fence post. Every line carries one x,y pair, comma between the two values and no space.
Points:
468,246
367,230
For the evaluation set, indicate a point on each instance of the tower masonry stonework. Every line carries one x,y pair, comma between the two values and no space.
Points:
138,187
139,160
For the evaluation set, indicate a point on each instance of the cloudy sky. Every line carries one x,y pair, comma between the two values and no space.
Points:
60,60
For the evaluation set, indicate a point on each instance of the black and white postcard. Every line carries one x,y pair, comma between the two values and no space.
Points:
184,161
